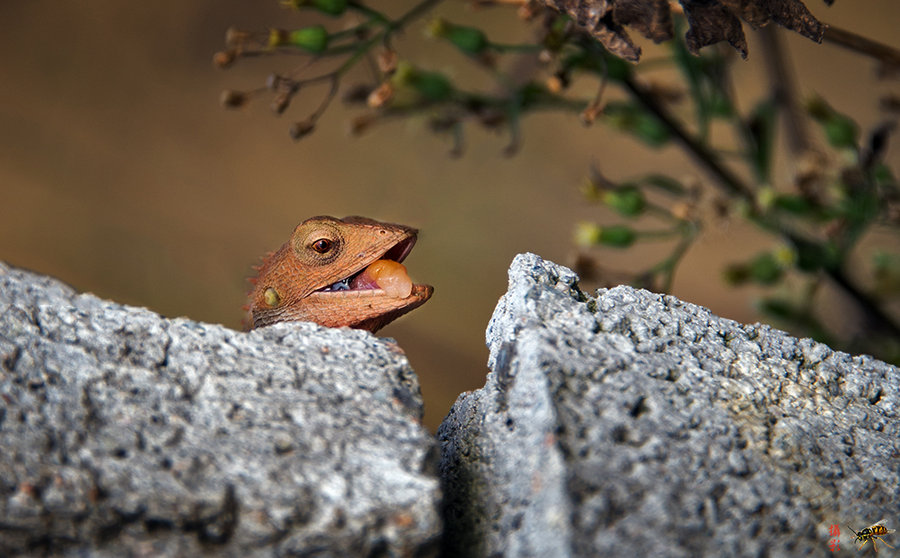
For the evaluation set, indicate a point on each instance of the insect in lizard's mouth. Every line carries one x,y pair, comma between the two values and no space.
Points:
385,273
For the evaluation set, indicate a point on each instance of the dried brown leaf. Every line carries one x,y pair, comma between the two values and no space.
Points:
711,21
598,19
793,15
651,18
750,11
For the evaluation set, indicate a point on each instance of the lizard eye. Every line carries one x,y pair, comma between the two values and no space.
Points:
317,243
322,245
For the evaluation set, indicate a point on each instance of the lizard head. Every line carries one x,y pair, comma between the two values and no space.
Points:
338,272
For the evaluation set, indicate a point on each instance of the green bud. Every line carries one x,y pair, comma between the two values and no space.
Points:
628,201
618,236
785,256
404,73
313,38
587,235
765,197
331,7
470,40
431,85
592,190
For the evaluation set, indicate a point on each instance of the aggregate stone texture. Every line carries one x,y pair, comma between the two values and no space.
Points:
123,433
627,423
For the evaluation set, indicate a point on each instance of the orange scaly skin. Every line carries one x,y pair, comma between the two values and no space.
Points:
323,251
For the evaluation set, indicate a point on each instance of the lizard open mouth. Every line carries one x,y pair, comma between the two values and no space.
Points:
385,273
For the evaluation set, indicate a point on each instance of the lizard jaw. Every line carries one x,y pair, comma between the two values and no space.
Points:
360,296
371,309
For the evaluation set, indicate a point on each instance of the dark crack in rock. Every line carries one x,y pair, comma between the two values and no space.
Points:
127,434
634,424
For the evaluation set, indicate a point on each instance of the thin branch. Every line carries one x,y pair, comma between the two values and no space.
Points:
784,90
873,308
734,186
848,39
704,156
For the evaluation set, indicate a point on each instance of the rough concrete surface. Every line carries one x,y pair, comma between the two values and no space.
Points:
126,434
628,423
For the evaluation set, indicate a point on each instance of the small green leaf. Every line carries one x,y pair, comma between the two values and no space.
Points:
796,316
759,136
636,120
883,175
617,69
720,105
840,130
765,269
651,130
703,75
813,256
778,308
793,203
608,66
736,274
861,208
886,271
531,93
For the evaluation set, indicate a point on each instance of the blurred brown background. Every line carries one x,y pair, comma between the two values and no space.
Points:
120,173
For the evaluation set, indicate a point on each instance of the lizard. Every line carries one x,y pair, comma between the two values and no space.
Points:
337,273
